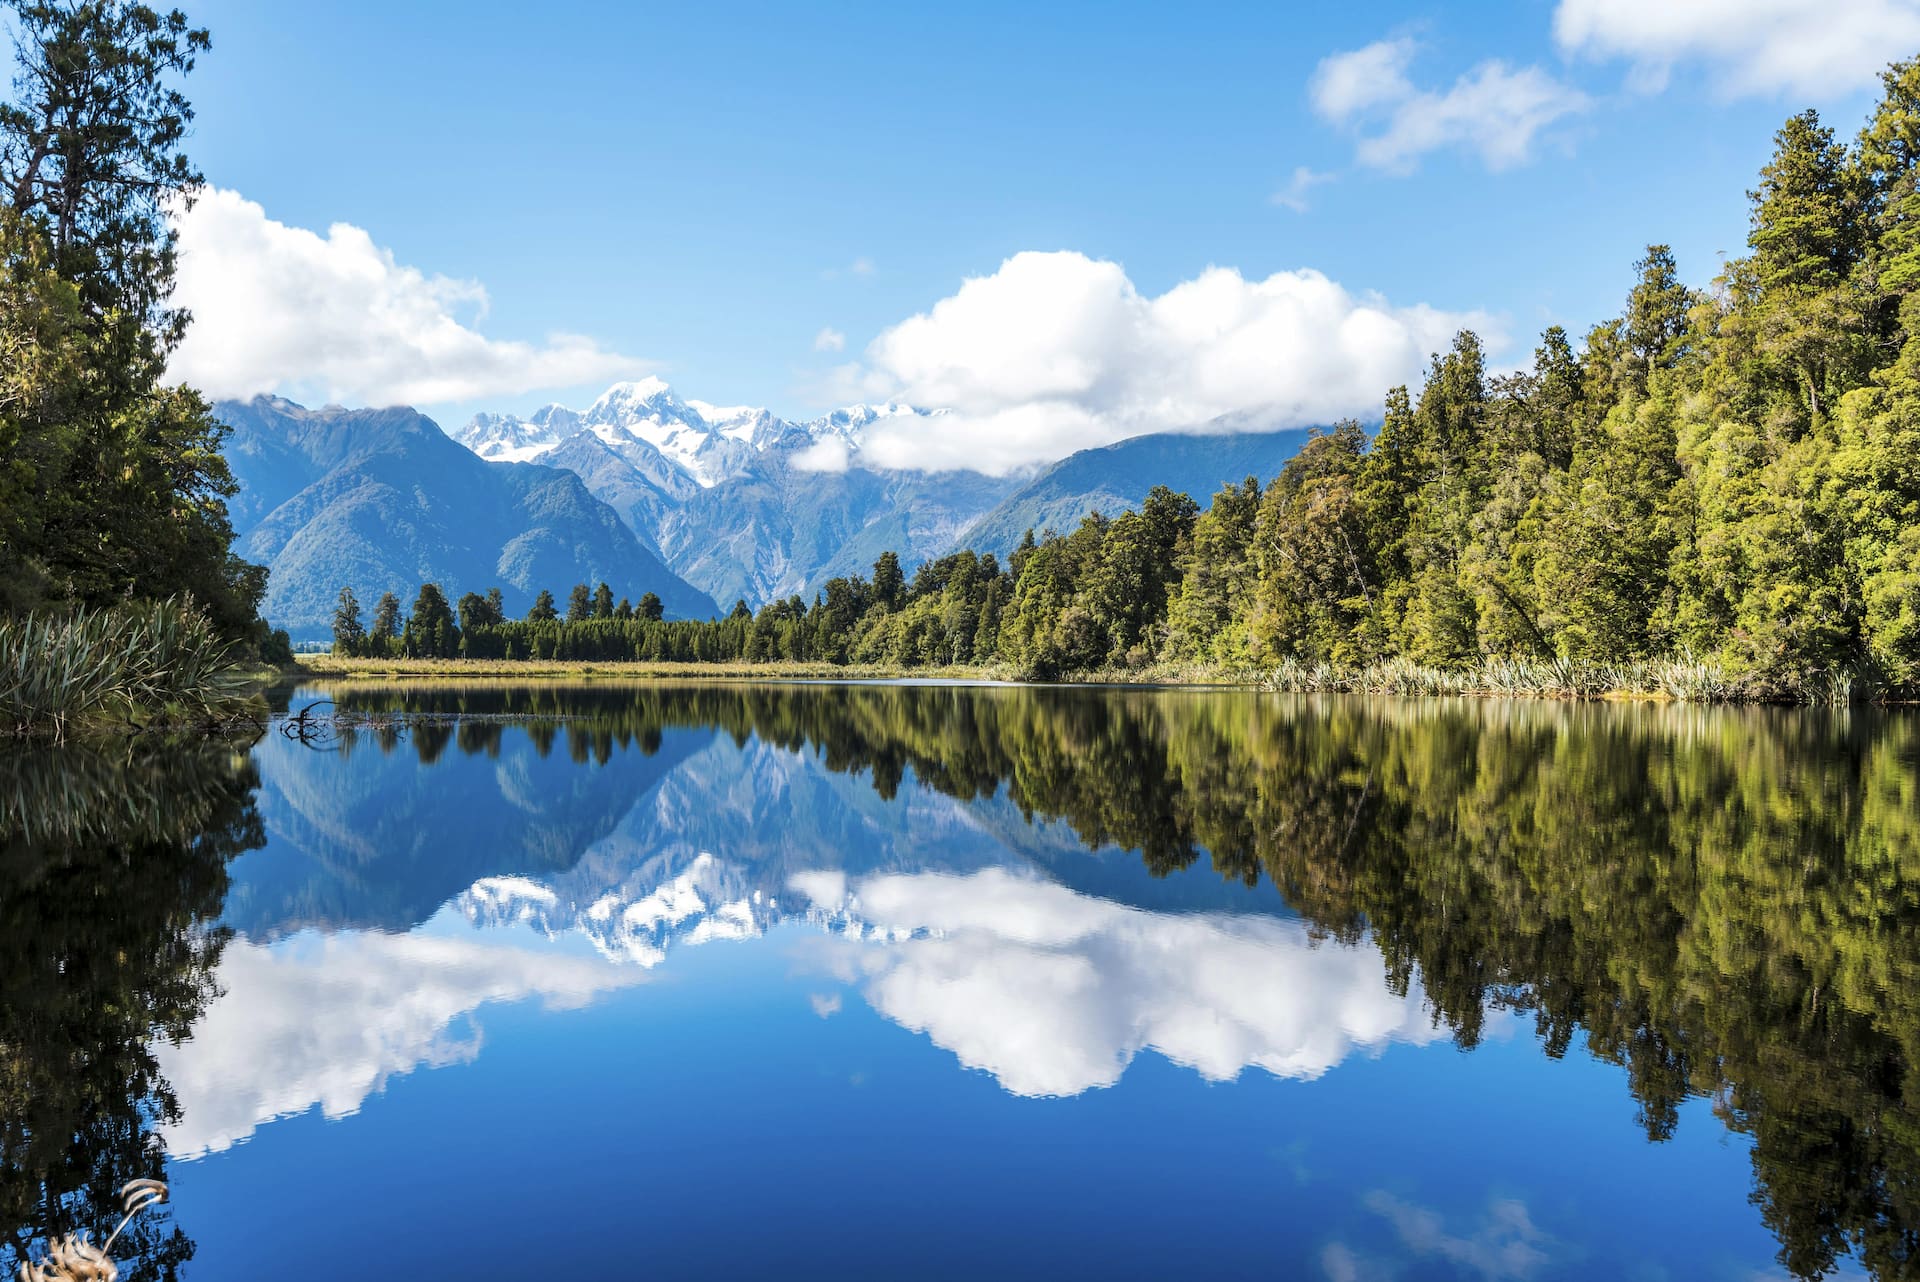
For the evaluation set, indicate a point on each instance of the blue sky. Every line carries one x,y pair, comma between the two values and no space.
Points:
702,190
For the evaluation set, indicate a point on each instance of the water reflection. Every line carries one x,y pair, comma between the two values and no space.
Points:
112,867
327,1020
1046,884
1055,992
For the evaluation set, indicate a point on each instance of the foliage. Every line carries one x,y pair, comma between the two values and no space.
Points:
112,484
134,661
116,857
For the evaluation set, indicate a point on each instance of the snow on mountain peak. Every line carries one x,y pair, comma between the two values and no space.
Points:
709,443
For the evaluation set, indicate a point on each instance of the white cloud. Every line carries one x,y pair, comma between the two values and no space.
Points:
1494,111
1347,84
1506,1245
279,308
327,1020
829,340
828,454
1057,352
1294,195
1808,48
1054,992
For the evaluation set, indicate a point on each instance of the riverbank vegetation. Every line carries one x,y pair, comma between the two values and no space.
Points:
129,665
1715,494
112,485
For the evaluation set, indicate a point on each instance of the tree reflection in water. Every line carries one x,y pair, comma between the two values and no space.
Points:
1726,903
112,864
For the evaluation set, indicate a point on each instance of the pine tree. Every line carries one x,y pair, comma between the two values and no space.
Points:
889,584
579,604
430,631
543,610
349,634
603,602
386,624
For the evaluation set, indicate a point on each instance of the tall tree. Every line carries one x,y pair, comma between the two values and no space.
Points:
579,604
349,634
129,482
1807,231
430,632
1656,319
386,623
889,583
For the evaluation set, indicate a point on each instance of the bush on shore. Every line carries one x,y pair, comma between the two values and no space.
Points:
136,664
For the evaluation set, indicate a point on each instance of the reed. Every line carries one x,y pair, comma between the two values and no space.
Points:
133,663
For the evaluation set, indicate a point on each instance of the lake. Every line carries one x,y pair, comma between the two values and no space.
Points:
815,981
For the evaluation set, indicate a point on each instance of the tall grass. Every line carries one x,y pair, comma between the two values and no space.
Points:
1683,678
132,663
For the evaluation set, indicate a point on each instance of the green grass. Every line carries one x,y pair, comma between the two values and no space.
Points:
136,664
1684,679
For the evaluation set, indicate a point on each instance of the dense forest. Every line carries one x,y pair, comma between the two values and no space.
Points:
112,485
1729,477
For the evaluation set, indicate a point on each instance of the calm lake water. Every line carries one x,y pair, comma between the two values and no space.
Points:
741,981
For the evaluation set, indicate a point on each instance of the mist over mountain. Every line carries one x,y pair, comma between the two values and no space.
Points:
383,500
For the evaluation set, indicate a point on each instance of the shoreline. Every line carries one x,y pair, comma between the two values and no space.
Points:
1624,683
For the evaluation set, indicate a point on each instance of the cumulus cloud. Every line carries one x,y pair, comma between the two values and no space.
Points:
283,309
1807,48
829,340
1054,992
1294,195
1057,352
1494,111
328,1020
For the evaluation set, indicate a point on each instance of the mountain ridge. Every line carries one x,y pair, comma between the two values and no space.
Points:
383,500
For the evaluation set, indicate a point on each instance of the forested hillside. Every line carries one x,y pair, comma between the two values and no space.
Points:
1727,477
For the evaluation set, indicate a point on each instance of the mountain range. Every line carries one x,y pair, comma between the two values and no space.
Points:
700,503
382,500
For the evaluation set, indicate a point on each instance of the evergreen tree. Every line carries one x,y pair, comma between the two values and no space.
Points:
430,631
386,624
579,604
889,584
650,607
603,602
543,611
349,634
1656,319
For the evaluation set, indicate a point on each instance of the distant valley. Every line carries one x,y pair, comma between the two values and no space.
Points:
701,504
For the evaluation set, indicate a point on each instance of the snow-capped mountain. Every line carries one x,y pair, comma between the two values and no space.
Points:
744,504
705,443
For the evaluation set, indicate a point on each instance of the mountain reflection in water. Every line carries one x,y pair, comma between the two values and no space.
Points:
1043,883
